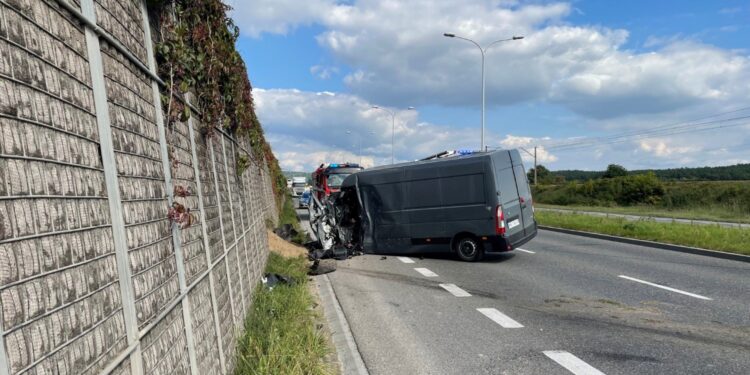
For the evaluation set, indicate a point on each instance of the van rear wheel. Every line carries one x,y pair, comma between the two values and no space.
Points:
469,249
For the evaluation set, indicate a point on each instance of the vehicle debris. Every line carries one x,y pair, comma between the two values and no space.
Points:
271,279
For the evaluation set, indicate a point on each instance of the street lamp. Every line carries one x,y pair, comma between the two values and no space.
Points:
393,125
483,50
359,139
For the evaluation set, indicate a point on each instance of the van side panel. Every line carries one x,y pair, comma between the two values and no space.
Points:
384,194
422,190
465,198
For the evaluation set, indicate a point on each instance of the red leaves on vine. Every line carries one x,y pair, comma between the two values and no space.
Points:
180,215
181,191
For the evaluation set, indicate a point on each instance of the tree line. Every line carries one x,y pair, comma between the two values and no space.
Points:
736,172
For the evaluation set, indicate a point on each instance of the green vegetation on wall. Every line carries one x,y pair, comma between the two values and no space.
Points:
195,52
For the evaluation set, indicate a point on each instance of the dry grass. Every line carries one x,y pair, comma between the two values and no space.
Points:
284,248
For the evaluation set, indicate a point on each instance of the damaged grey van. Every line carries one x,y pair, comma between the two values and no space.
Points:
471,204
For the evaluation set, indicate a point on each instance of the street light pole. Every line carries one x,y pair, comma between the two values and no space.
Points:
483,51
393,126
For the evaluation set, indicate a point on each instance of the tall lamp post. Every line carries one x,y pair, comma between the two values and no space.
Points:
359,139
483,50
393,125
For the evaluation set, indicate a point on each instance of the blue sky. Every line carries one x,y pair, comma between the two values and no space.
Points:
585,69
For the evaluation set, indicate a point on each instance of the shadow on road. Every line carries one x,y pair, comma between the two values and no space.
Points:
488,258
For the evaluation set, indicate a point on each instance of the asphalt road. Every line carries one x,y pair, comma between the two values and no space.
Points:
589,305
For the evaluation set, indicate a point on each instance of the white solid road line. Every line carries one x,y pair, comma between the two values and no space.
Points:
500,318
426,272
405,259
572,363
526,251
456,291
666,288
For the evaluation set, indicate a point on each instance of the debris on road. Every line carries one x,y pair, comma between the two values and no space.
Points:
286,232
322,266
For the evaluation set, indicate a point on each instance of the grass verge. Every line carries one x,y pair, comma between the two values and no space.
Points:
708,213
711,237
280,333
289,216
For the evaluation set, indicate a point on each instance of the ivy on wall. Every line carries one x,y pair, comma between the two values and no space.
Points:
195,52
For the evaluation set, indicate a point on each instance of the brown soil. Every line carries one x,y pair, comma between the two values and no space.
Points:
284,248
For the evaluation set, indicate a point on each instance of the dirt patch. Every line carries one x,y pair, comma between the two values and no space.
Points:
284,248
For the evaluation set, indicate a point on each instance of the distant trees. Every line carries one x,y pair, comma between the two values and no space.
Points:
543,174
726,173
615,170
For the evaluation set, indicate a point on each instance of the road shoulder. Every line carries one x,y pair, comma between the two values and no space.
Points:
350,359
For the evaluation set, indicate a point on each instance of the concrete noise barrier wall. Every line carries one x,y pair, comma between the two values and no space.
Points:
94,278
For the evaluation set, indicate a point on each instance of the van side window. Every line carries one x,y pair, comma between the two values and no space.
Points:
506,184
463,190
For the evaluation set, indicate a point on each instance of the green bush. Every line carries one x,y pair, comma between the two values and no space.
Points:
625,190
720,199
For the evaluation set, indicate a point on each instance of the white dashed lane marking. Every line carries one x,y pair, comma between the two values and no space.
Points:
572,363
456,291
426,272
500,318
526,251
666,288
405,259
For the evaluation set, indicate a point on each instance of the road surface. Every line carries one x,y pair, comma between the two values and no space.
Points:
566,304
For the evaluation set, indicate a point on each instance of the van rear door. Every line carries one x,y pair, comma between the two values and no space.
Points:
524,198
507,191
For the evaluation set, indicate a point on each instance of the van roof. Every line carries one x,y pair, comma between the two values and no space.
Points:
387,168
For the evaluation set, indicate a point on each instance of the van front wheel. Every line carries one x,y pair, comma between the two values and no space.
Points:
468,249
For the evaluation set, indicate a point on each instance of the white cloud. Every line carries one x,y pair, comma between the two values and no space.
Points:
662,148
308,128
323,72
398,54
528,143
276,16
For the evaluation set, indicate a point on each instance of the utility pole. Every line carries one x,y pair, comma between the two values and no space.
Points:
536,167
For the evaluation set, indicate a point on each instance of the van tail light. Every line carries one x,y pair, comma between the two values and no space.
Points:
499,221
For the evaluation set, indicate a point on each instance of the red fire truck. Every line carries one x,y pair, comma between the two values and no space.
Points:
327,178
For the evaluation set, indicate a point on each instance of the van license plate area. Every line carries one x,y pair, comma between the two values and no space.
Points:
513,224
